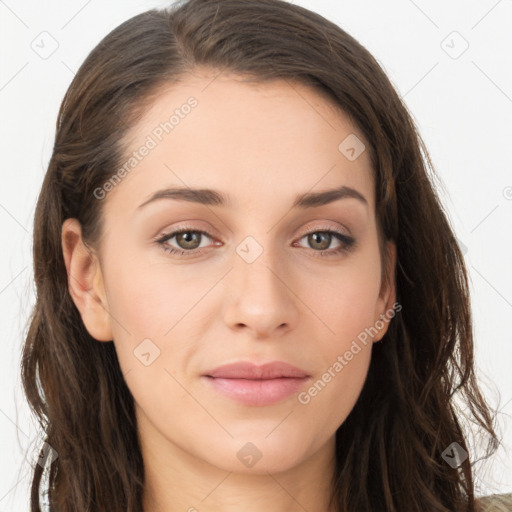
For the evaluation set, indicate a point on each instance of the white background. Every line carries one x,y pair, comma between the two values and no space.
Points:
462,106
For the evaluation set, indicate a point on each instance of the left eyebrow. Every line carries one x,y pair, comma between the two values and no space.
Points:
211,197
315,199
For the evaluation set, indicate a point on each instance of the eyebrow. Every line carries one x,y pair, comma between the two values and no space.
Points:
211,197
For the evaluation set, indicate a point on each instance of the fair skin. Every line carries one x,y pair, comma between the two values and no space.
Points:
261,146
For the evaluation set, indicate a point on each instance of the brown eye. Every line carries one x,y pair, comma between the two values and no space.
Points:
188,239
320,240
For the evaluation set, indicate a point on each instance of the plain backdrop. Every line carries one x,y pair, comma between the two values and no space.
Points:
450,61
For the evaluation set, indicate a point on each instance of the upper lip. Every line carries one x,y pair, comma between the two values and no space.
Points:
248,370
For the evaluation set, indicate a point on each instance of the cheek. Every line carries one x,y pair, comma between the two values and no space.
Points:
148,299
334,391
345,301
156,309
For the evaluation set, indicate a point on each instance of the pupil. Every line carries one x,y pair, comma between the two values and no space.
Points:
188,237
317,238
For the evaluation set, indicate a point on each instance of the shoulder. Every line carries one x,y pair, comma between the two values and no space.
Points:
494,503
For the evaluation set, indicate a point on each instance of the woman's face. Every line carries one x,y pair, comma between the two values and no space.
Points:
263,276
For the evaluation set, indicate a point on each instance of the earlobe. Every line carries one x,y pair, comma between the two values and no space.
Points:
85,282
387,295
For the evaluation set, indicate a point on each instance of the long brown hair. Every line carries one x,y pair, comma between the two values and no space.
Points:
389,451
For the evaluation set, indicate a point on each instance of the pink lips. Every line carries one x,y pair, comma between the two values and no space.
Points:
257,385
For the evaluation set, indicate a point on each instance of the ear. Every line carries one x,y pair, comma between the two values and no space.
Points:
85,282
387,295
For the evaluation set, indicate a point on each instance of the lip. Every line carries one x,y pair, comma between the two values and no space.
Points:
257,385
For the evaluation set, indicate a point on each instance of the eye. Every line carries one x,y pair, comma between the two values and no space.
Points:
189,242
321,240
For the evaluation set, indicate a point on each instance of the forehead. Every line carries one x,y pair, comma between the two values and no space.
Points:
271,140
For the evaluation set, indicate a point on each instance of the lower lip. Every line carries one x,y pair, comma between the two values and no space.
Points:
257,392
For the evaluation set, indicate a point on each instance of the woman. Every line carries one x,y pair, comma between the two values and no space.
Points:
244,366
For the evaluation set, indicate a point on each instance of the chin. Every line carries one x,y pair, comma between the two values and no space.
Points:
259,454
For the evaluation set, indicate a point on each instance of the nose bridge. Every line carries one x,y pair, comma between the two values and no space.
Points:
258,295
258,263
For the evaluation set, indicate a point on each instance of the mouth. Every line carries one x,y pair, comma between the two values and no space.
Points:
254,385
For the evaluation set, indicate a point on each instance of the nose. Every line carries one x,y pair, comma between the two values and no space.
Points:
259,297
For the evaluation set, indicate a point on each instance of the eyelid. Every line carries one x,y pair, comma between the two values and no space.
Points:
325,227
203,227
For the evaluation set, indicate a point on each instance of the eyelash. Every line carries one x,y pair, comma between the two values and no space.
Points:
348,242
